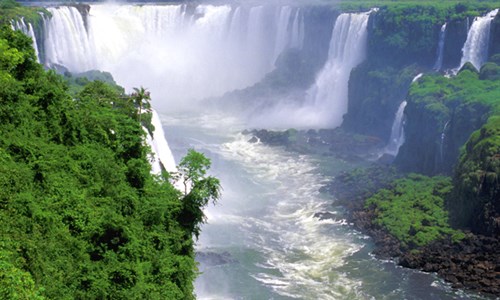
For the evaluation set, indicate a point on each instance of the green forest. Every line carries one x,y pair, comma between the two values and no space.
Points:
81,214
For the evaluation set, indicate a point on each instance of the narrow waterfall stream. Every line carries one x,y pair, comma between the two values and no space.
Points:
440,50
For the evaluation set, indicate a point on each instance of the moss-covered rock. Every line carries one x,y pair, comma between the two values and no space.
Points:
404,34
476,201
490,71
375,93
441,115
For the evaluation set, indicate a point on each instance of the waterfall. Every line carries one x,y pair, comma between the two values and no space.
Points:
328,96
475,49
284,15
290,30
162,155
184,53
397,138
443,136
67,43
297,31
27,29
416,78
439,60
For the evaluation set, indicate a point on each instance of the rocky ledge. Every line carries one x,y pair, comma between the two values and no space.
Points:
324,142
473,263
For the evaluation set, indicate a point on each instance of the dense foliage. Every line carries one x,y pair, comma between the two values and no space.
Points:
412,209
476,201
81,215
11,10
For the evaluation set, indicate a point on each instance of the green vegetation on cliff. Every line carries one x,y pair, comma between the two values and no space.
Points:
82,216
441,115
412,210
403,41
11,10
476,201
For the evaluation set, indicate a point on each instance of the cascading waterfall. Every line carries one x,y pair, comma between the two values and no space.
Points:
325,102
178,50
283,15
27,29
67,43
440,50
475,49
297,30
162,155
328,96
397,138
290,30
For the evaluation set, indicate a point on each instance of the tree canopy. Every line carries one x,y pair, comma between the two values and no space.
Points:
82,216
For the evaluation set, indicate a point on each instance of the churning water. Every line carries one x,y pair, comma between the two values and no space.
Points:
262,239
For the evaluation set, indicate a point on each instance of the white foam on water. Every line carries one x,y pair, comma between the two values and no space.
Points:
301,248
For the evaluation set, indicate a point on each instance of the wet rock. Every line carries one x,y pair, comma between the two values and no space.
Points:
471,263
325,215
214,259
253,140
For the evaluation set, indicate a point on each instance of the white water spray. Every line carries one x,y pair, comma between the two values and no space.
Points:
183,55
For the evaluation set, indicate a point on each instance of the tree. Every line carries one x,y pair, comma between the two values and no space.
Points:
199,190
141,98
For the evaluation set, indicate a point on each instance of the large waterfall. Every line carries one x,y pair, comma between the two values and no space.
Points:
475,49
328,96
183,52
325,102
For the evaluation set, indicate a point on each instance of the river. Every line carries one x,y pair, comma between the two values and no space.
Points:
262,240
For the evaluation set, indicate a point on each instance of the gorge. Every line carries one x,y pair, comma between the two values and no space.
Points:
375,73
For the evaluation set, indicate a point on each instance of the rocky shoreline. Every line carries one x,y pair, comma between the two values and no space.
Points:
472,263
